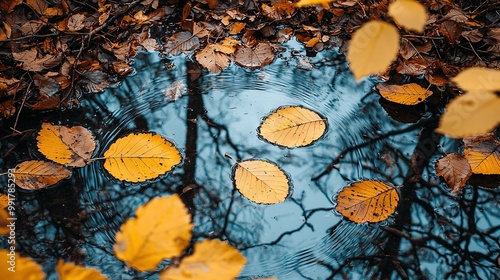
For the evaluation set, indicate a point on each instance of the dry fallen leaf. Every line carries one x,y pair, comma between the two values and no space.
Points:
292,126
261,181
470,114
483,154
70,271
181,42
367,201
478,79
409,13
32,61
212,259
72,146
455,170
138,157
303,3
259,56
24,268
35,174
407,94
212,59
161,229
372,48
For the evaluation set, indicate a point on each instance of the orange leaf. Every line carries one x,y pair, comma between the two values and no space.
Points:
483,154
455,170
70,271
21,268
407,94
35,174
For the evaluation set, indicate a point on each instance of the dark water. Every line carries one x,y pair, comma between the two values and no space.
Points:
302,238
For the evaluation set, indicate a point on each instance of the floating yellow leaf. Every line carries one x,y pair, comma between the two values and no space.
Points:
16,267
4,214
292,126
409,13
36,174
367,201
408,94
483,154
161,229
70,271
261,181
138,157
470,114
455,170
212,259
373,48
72,146
303,3
478,79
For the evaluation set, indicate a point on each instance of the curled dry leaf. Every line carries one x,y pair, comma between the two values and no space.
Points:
483,154
367,201
407,94
470,114
409,13
372,48
70,271
36,174
138,157
292,126
161,229
478,79
259,56
72,146
25,268
455,170
212,259
261,181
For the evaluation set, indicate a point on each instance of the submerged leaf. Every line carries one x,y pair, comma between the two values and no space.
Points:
24,268
407,94
261,181
138,157
409,13
292,126
373,48
367,201
212,259
72,146
70,271
455,170
483,154
36,174
161,229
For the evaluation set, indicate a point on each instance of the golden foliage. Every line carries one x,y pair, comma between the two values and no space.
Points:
367,201
161,229
138,157
215,57
470,114
455,170
261,181
292,126
72,146
478,79
373,48
212,259
4,214
70,271
407,94
409,13
483,154
36,174
25,268
303,3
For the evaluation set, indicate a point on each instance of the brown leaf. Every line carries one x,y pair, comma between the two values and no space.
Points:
31,27
46,86
32,62
53,12
181,42
494,33
211,59
413,67
237,27
473,36
76,22
259,56
35,174
47,103
406,50
456,15
122,68
455,170
7,108
96,81
8,6
38,6
451,30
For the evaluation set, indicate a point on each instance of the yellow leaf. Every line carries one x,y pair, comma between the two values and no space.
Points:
161,229
212,259
367,201
227,46
407,94
138,157
483,154
36,174
24,268
455,169
292,126
70,146
478,79
4,214
212,59
373,48
70,271
261,181
470,114
303,3
409,13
